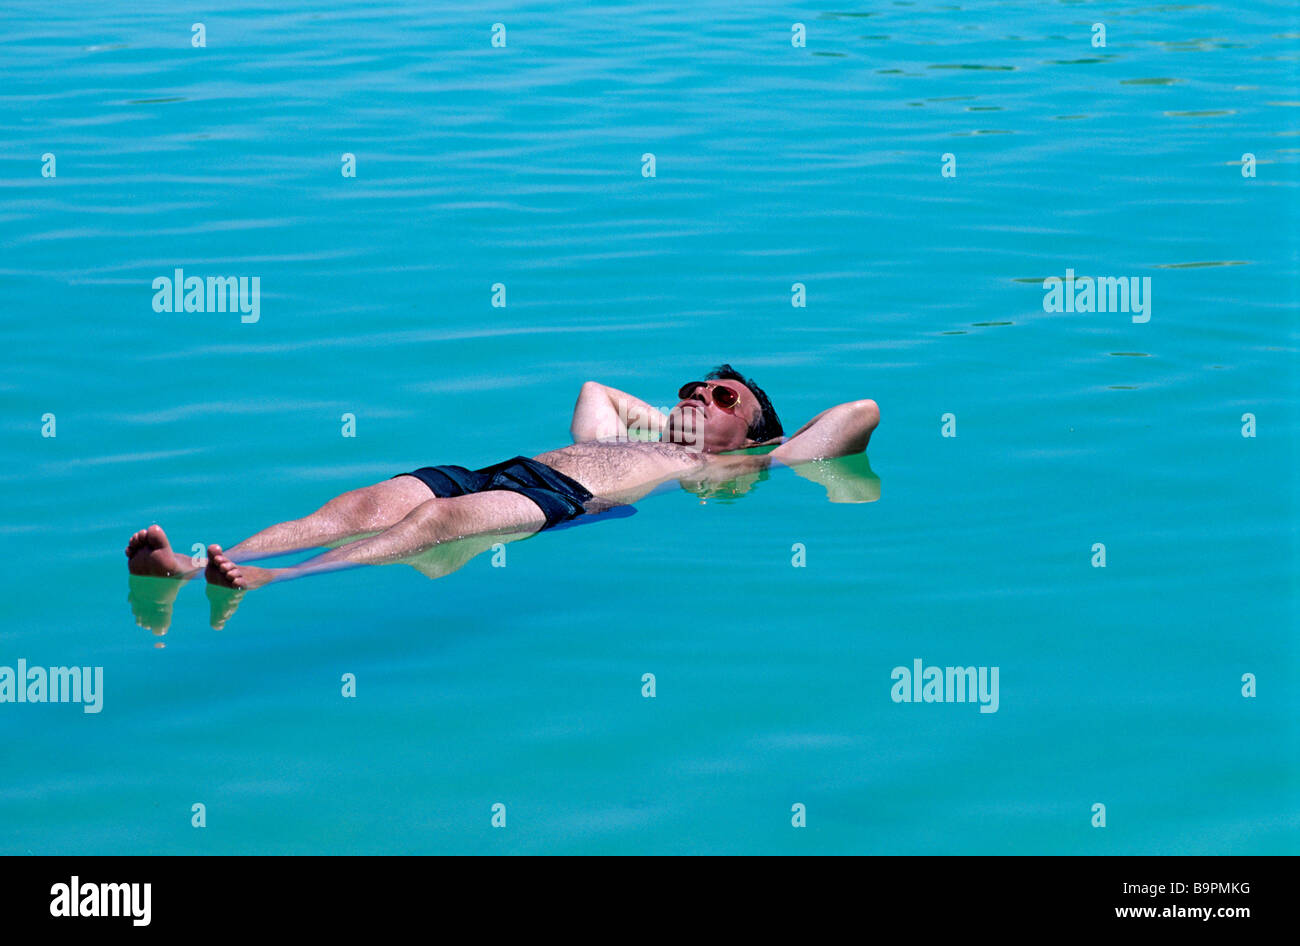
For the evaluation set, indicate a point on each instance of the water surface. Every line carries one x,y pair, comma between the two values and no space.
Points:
775,165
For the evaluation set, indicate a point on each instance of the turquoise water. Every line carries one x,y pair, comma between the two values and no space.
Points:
775,164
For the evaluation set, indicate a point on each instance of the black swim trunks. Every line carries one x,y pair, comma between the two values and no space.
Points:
559,497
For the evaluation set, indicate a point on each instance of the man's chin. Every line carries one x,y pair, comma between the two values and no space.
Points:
686,434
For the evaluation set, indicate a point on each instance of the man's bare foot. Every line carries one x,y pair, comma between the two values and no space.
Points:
222,571
149,553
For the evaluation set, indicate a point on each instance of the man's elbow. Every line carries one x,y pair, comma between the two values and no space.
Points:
865,417
866,413
594,417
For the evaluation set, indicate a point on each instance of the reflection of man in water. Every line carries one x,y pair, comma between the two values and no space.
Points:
606,466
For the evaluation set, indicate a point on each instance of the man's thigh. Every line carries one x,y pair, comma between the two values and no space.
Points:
493,511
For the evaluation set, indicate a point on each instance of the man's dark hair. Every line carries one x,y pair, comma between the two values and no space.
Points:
766,425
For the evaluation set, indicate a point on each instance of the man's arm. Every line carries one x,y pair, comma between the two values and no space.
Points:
836,432
605,413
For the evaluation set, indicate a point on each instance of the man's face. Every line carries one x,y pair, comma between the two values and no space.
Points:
701,422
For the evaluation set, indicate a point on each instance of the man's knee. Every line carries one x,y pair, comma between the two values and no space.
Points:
427,521
354,506
380,505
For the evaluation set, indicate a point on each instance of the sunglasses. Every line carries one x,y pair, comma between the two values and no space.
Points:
723,396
